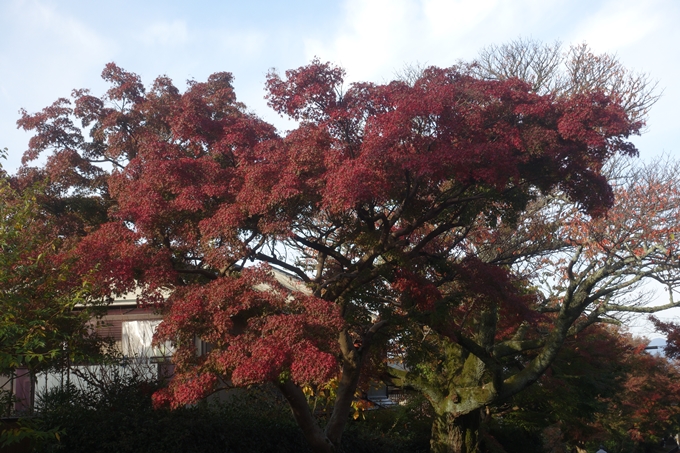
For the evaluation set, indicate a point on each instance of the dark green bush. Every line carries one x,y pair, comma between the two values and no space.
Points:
399,429
118,417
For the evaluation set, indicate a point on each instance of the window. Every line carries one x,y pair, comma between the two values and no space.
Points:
137,337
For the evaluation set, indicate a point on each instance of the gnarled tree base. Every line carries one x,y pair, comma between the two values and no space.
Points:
453,433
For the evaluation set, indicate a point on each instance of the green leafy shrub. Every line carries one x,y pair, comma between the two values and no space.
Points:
118,417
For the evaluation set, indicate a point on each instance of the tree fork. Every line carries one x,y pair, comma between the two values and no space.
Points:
314,435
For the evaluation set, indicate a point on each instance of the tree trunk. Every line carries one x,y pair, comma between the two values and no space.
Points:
452,433
329,440
318,442
347,387
34,381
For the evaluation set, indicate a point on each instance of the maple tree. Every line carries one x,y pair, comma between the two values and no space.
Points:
373,202
574,391
672,332
602,387
648,409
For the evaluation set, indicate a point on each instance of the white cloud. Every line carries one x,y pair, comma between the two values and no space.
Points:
375,31
446,17
378,37
41,22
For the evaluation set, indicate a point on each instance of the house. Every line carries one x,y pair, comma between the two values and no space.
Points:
131,327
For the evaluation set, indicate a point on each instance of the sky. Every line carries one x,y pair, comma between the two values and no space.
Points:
49,47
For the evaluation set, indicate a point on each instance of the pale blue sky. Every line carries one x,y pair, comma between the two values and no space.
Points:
49,47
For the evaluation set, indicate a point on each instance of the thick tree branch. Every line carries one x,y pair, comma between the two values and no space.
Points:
324,249
305,419
270,259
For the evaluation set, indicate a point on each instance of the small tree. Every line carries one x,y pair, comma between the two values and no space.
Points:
40,327
602,388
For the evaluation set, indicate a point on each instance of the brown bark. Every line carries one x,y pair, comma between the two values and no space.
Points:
349,380
352,357
346,388
317,439
453,433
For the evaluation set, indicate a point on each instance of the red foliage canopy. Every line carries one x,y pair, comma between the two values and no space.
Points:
373,183
258,331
